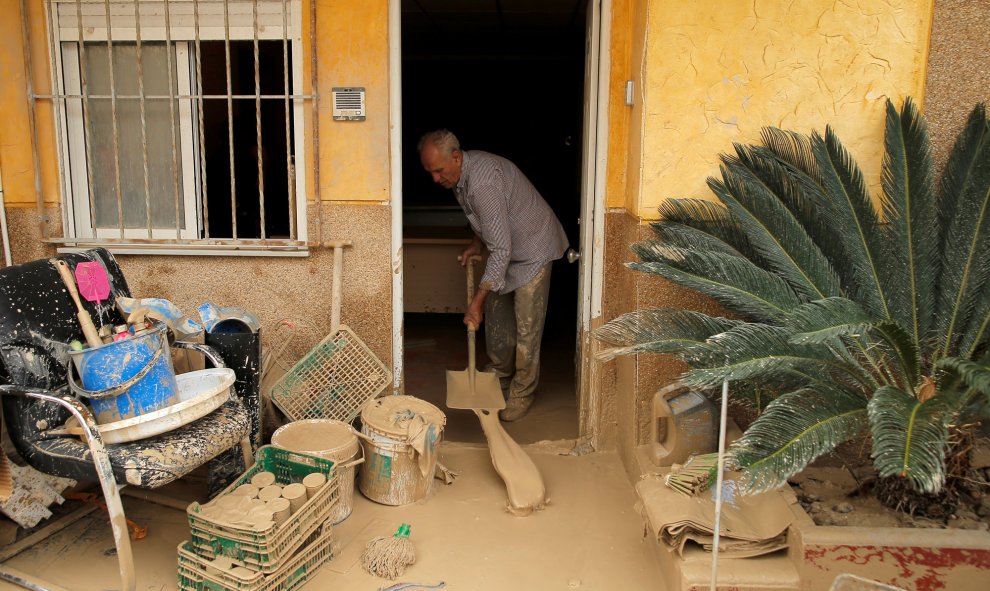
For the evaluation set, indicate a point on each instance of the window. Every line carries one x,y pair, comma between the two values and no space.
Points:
181,121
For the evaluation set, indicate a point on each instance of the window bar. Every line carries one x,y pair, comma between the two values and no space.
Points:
202,132
59,107
289,169
257,119
173,103
113,120
314,90
230,119
32,116
164,97
144,119
84,85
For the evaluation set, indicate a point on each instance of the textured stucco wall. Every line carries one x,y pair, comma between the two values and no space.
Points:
958,69
717,72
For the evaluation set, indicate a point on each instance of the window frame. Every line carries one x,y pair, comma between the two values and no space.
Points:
65,38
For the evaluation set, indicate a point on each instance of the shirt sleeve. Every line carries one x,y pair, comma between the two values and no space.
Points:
493,215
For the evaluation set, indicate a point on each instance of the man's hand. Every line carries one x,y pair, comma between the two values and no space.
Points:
475,311
474,316
473,249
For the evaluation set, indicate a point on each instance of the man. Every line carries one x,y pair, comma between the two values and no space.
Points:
523,238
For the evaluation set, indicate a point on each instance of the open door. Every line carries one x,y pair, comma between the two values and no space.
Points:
592,207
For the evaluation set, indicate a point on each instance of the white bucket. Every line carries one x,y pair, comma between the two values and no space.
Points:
392,474
330,440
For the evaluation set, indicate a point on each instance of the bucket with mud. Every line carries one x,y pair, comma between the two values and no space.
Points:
127,378
400,436
329,440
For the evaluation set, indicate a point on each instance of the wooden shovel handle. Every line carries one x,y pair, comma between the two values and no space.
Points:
470,283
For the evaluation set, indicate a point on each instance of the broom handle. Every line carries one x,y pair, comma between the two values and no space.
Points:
338,265
85,320
471,328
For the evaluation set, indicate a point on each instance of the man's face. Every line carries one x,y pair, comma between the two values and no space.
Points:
445,170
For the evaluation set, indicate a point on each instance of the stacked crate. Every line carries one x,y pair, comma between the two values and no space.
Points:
282,557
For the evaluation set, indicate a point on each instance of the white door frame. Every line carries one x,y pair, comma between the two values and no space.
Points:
594,166
395,184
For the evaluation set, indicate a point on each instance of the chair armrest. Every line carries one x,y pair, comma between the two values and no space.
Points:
104,471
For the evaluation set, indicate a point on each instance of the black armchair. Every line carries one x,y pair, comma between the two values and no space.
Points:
37,318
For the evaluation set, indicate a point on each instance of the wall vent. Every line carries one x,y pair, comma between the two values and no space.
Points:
348,103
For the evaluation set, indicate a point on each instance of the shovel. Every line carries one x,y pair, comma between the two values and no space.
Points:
472,389
480,392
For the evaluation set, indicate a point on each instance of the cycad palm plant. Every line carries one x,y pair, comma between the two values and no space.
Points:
860,314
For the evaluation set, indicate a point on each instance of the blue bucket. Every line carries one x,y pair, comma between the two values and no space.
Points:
127,378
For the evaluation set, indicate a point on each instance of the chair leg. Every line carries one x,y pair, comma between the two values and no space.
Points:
111,492
248,454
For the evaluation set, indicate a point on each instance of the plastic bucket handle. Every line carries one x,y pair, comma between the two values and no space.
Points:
118,389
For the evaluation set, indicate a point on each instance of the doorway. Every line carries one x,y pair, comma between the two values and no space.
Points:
507,78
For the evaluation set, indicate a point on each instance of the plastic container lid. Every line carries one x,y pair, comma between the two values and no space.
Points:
323,438
391,414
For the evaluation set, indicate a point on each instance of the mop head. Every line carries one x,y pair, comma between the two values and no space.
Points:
388,557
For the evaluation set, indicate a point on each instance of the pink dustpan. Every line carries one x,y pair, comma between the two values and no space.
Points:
92,280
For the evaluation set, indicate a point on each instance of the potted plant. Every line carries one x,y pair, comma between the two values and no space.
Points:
860,314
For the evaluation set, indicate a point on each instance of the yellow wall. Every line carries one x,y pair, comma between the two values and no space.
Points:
352,50
16,158
713,73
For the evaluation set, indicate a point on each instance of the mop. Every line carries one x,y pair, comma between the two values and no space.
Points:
388,556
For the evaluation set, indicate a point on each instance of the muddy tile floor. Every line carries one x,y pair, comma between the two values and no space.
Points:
589,537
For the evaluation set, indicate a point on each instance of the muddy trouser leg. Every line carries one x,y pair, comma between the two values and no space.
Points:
500,337
526,312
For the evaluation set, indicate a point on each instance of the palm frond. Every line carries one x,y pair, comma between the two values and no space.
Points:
826,320
973,374
846,207
681,236
903,348
658,331
912,230
795,149
736,283
754,350
977,333
909,437
796,428
963,216
709,217
774,232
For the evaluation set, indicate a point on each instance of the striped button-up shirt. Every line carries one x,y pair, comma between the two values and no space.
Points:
515,223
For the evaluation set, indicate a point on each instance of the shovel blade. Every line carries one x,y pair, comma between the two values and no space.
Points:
487,391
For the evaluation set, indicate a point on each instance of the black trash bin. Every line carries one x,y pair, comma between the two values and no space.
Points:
240,349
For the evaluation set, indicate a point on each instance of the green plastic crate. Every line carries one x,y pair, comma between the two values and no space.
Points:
268,550
195,575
